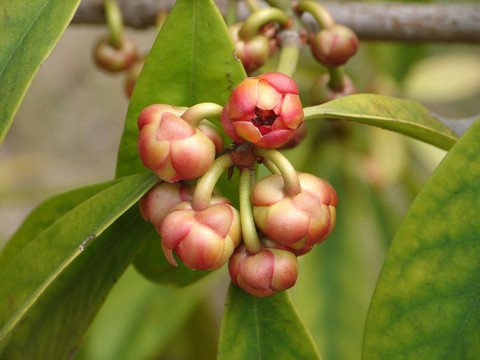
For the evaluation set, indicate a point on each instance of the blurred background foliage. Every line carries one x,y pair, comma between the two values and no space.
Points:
66,134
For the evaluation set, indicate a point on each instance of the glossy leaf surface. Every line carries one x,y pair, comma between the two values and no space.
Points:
190,62
403,116
29,29
263,328
426,302
66,309
36,267
44,215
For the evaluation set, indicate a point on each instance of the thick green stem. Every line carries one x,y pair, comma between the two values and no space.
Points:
205,185
289,53
201,111
249,231
321,15
336,82
114,18
290,178
254,22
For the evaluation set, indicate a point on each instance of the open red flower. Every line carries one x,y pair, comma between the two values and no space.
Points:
264,110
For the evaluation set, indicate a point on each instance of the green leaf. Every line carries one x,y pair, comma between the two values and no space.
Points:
190,62
29,29
263,328
45,215
403,116
66,309
41,261
426,302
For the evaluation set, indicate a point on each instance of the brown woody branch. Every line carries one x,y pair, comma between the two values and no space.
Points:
410,22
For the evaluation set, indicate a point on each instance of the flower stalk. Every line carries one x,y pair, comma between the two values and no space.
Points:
290,178
249,231
206,184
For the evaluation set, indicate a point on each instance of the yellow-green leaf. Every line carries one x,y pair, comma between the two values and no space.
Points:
426,302
403,116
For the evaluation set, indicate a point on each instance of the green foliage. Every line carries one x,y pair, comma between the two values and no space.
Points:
59,248
402,116
263,328
426,300
28,32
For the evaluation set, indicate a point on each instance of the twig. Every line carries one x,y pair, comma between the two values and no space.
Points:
409,22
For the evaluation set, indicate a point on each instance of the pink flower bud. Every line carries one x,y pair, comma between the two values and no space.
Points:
114,59
298,221
322,93
264,110
158,201
203,240
253,53
334,46
262,274
171,147
153,113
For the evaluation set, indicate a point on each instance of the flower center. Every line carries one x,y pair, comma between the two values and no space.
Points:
264,117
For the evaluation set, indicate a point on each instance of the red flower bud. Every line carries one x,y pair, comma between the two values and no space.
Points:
322,93
252,53
170,146
298,221
273,269
158,201
334,46
264,110
203,240
114,59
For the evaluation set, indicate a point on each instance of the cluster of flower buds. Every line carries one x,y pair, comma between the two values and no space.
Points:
281,217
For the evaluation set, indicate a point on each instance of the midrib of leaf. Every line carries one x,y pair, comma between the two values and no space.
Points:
257,329
23,37
194,50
